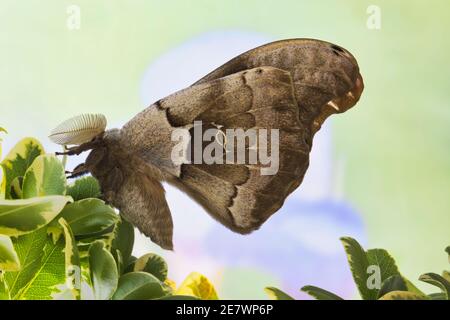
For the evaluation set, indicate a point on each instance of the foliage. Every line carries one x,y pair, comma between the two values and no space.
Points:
56,239
377,278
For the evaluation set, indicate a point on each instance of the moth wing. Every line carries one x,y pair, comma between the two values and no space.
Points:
326,77
237,195
294,86
142,202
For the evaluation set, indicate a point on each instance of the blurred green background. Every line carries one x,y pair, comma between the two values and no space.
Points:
396,142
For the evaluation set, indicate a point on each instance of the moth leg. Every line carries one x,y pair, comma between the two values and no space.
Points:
94,143
78,171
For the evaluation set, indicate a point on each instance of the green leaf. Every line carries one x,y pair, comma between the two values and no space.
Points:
383,260
4,291
42,270
359,263
72,261
320,294
119,261
18,160
277,294
438,281
130,266
83,188
16,188
393,283
89,217
103,269
369,269
178,297
446,275
30,249
139,286
123,240
152,263
403,295
9,261
22,216
45,177
197,285
437,296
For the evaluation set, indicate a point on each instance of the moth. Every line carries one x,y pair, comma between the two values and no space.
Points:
289,85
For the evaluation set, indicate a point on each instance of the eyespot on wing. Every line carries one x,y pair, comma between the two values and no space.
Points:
79,129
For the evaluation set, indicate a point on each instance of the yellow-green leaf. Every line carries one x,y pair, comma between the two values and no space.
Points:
320,294
45,177
18,160
369,269
16,188
403,295
19,217
277,294
438,281
197,285
72,259
4,290
152,263
9,261
42,269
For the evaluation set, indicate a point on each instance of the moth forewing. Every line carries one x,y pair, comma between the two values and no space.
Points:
79,129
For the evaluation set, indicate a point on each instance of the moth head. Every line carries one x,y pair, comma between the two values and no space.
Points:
79,129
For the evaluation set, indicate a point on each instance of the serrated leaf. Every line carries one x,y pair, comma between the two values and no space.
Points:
45,177
403,295
438,281
320,294
277,294
72,261
393,283
9,261
22,216
153,264
386,264
89,217
358,263
374,266
197,285
103,271
42,267
18,160
123,240
84,188
139,286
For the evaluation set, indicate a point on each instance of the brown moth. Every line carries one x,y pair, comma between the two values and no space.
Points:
290,85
